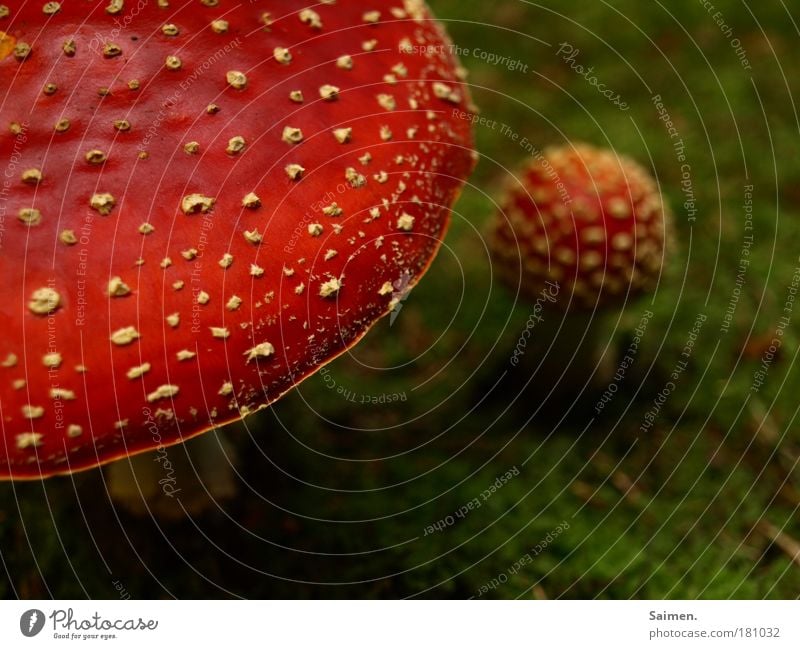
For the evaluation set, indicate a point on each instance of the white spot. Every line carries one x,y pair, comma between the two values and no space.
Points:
236,145
173,63
28,440
310,17
61,393
342,135
565,255
138,372
355,179
590,260
32,412
386,101
328,92
118,288
124,336
194,203
292,135
103,203
52,360
43,301
219,26
619,208
282,55
68,238
235,78
330,288
443,91
332,210
29,216
251,201
400,70
163,392
220,332
262,350
622,241
405,222
593,234
294,171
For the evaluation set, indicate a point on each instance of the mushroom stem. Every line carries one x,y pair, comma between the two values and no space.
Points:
183,479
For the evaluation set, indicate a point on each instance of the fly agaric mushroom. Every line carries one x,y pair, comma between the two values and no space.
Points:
582,231
208,201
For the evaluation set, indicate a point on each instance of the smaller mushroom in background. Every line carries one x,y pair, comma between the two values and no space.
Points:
582,232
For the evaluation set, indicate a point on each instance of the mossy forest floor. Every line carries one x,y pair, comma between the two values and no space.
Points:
694,494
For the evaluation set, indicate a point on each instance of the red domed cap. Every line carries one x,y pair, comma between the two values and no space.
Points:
207,201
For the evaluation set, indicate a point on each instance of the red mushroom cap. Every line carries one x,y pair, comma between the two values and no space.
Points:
586,219
206,201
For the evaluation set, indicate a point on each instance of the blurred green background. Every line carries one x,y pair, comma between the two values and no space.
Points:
340,497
